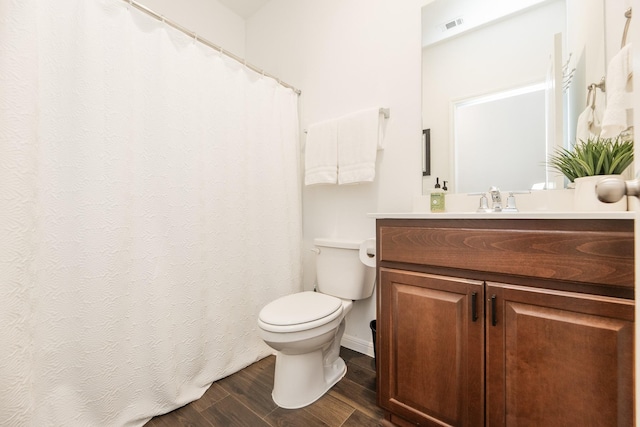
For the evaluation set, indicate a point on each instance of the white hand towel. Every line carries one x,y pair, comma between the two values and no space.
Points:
359,138
588,125
614,120
321,153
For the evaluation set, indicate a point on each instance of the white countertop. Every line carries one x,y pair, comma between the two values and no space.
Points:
504,215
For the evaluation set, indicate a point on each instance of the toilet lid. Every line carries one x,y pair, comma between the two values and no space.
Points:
302,307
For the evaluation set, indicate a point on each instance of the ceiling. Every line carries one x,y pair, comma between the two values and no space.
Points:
244,8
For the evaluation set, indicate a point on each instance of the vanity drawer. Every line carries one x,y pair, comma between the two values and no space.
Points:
599,252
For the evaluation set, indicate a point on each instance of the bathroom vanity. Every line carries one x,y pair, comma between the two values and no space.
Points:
501,320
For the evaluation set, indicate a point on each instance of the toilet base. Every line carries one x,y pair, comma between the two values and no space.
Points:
301,379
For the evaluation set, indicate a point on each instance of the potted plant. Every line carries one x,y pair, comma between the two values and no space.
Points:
588,162
596,156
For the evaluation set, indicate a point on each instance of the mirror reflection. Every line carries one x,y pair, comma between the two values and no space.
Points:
507,156
489,100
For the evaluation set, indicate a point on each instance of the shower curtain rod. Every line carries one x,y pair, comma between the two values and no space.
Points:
206,42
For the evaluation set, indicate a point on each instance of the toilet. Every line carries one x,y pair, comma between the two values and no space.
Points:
306,328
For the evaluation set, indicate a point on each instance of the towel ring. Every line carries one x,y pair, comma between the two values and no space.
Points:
591,101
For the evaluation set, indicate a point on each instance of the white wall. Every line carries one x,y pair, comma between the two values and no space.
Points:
210,19
586,42
347,55
615,20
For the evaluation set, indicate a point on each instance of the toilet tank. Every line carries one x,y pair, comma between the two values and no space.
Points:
339,271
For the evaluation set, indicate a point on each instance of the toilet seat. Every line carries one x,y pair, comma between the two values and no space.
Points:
299,312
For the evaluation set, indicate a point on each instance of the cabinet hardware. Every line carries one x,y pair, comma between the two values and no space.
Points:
474,306
494,314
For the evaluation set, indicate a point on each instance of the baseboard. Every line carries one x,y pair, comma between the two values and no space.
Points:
357,344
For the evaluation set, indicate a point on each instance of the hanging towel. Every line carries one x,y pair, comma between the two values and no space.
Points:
619,71
359,138
588,125
321,153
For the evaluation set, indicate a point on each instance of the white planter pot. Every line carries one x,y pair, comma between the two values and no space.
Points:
586,199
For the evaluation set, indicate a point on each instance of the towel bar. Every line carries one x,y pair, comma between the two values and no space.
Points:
627,15
386,113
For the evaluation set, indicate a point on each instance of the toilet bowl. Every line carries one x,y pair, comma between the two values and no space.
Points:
307,362
306,328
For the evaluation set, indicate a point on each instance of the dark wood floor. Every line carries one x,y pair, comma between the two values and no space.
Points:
244,399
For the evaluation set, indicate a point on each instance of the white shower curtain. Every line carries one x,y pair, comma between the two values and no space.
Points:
149,207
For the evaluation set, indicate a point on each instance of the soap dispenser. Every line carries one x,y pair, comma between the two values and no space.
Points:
437,198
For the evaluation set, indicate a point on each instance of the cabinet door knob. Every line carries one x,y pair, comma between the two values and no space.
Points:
474,306
494,311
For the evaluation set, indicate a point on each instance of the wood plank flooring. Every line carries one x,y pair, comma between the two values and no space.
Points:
244,400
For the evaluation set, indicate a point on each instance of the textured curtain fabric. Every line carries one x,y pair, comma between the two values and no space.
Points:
149,208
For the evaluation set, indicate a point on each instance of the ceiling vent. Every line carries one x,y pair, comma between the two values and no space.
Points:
452,24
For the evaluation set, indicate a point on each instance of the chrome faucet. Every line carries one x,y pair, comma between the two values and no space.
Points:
496,199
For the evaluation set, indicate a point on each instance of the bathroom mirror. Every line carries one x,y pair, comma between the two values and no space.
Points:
476,51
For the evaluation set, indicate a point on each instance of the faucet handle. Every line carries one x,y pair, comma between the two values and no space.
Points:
484,203
511,203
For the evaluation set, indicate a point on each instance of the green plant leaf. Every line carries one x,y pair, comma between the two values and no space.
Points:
596,156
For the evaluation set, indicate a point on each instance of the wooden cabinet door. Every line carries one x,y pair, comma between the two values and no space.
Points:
430,352
558,358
